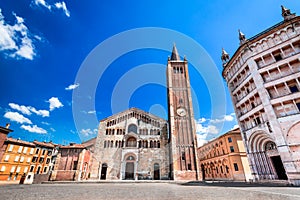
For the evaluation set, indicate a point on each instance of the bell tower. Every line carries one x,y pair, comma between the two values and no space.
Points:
183,141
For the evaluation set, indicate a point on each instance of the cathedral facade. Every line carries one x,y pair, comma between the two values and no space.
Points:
136,145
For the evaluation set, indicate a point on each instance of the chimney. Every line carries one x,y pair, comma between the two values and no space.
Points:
7,125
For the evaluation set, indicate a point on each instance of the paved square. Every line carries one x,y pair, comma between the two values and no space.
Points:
93,191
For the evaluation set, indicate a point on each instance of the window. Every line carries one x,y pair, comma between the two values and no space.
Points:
298,106
75,163
25,169
20,149
31,168
293,88
25,149
22,159
45,169
34,159
189,167
6,158
12,169
49,153
41,160
31,150
236,167
48,161
278,57
231,149
16,158
38,169
132,128
18,169
11,146
37,151
229,139
183,156
2,169
28,160
44,151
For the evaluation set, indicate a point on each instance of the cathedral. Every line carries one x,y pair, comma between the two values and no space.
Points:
137,145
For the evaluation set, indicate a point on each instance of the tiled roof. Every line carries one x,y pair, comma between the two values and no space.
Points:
44,144
21,142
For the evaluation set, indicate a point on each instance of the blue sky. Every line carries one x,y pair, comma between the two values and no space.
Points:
44,43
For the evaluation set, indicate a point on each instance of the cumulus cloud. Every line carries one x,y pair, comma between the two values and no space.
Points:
15,39
88,132
62,5
28,110
72,87
201,139
34,129
54,103
235,126
14,116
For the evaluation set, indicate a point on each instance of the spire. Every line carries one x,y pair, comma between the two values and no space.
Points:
224,57
175,55
286,13
242,37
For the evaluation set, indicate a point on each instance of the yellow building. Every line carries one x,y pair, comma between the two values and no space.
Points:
224,158
41,160
16,159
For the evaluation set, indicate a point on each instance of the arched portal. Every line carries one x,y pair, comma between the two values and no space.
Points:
265,159
129,168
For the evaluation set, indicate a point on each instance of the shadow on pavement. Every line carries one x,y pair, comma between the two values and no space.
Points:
237,184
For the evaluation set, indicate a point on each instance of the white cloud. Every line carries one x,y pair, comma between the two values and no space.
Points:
34,129
226,118
52,129
91,112
72,87
42,3
54,103
14,116
46,123
15,40
200,128
28,110
201,139
23,109
88,132
62,5
43,113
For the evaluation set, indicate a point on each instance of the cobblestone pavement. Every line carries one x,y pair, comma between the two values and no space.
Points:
157,191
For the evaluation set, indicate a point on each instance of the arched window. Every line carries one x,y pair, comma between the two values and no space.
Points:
132,128
131,142
270,146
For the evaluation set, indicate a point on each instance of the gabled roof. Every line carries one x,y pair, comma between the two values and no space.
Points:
135,110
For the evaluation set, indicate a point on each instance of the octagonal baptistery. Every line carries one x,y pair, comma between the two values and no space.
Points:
263,77
131,145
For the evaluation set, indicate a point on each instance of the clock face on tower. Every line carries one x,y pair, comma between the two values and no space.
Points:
181,112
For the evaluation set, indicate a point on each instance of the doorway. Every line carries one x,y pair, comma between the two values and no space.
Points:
203,171
129,171
156,172
277,164
103,171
